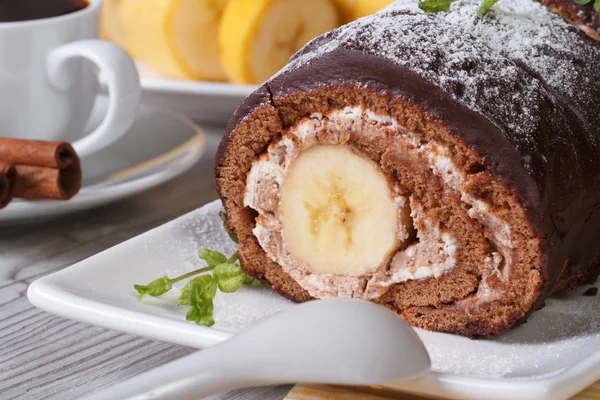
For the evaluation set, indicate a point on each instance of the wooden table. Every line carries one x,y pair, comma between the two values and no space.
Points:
43,356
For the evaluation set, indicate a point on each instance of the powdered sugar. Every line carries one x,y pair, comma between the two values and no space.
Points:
508,65
558,336
562,334
233,312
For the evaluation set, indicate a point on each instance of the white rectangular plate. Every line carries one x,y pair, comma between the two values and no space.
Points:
553,356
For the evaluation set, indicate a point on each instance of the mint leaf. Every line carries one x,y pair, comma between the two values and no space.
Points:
201,314
201,291
582,2
249,280
230,277
212,258
223,217
156,288
485,6
430,6
597,6
184,297
202,288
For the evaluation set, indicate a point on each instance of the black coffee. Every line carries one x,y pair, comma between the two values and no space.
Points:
23,10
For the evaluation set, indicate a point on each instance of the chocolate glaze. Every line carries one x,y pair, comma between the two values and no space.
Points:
539,135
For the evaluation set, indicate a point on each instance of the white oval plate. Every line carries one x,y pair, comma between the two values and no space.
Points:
553,356
197,100
159,146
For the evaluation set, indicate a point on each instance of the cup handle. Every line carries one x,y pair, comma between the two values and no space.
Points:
123,86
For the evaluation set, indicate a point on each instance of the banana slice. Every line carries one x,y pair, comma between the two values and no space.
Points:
257,37
362,8
346,8
354,9
337,211
111,23
177,38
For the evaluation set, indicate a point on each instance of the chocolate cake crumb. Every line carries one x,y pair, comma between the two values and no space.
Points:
591,292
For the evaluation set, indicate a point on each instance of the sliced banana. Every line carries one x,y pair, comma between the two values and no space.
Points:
337,212
362,8
111,22
354,9
346,8
177,38
257,37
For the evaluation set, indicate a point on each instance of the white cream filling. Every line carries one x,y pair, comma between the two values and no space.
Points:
422,271
453,177
267,174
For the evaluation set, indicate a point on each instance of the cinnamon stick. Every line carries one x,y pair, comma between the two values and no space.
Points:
37,153
45,170
8,179
37,183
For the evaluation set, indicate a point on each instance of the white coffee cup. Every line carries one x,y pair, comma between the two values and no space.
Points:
48,80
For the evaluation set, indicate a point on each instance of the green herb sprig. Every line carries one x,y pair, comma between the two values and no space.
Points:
430,6
199,292
485,6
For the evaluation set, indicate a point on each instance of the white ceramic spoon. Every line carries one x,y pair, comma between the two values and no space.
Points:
343,342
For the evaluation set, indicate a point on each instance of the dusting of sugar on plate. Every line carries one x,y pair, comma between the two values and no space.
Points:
233,312
565,332
560,335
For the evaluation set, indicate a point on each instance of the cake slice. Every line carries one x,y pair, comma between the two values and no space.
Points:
444,166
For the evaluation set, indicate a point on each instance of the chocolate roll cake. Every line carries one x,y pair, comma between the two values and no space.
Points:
442,165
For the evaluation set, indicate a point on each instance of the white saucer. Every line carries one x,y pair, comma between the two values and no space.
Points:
198,100
158,147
